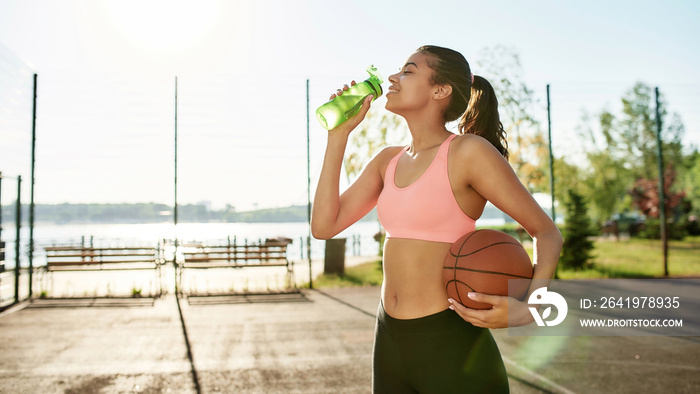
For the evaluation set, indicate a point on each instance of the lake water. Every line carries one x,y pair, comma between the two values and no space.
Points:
46,234
151,233
118,282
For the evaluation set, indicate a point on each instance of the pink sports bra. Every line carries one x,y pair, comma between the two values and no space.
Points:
426,209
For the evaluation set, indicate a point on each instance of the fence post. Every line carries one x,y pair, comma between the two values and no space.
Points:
18,225
662,189
551,156
31,196
308,186
301,248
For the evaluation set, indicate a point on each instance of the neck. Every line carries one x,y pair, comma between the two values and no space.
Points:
426,133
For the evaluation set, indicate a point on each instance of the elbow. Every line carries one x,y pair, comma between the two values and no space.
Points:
320,232
558,238
554,237
551,235
321,235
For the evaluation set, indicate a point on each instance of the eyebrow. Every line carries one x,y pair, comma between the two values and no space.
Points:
410,64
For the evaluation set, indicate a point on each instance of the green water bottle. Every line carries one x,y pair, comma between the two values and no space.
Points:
345,106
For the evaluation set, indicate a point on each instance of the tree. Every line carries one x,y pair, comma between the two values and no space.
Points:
607,185
379,129
622,147
634,132
578,247
528,149
568,177
690,181
645,195
532,156
606,178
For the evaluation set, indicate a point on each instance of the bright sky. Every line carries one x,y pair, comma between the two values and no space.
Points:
106,72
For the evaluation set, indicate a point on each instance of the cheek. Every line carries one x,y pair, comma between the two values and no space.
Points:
406,99
414,97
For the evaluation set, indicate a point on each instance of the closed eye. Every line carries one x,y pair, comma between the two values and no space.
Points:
405,67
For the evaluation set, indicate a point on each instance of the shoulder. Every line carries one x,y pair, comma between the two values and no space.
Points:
391,151
384,156
473,157
380,161
470,146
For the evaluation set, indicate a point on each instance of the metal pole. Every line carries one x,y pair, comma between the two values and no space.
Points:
662,192
31,194
175,208
18,225
175,204
551,156
308,186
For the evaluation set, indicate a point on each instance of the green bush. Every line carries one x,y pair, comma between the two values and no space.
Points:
578,246
652,230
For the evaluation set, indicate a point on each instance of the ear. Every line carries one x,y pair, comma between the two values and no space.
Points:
442,91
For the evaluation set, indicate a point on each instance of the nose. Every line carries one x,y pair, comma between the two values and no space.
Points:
393,78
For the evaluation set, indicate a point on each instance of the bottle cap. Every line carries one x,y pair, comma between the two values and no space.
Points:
375,79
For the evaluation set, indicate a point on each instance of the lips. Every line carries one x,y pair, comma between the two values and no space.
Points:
392,90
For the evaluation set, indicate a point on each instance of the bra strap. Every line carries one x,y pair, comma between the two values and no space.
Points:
445,147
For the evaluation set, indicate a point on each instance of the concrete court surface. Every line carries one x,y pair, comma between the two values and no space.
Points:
312,342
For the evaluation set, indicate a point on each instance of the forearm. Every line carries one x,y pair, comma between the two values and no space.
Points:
546,250
326,205
505,313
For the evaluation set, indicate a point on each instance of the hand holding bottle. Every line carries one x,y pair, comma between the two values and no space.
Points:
340,91
350,124
350,101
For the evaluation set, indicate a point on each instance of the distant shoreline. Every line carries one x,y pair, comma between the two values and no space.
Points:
140,213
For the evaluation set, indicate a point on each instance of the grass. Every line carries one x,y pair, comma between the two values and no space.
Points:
368,274
640,258
632,258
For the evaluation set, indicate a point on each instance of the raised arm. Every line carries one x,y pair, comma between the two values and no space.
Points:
332,212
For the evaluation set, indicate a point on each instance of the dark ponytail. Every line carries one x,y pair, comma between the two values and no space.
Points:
478,99
481,117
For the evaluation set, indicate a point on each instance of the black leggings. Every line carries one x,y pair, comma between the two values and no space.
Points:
439,353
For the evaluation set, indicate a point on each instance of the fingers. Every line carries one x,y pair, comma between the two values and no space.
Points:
365,106
340,91
473,316
485,298
349,125
496,317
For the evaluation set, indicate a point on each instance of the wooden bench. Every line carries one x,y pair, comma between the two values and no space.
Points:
270,253
88,258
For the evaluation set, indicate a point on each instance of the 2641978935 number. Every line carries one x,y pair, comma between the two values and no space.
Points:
639,302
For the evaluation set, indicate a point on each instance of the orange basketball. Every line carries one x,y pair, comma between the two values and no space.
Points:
482,261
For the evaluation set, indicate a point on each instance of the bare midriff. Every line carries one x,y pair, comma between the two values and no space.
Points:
412,286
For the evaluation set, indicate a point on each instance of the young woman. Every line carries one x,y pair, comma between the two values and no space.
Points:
427,195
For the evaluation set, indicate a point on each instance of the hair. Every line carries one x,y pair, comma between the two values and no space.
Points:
474,104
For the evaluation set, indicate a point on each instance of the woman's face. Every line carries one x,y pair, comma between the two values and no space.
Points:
411,87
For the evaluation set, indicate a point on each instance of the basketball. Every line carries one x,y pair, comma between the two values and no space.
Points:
482,261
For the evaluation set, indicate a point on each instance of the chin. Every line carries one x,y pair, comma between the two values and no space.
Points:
391,108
